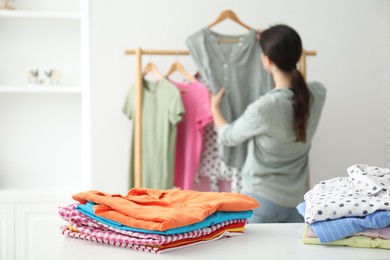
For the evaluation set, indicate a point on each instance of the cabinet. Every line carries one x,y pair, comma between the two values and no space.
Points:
30,224
44,127
7,232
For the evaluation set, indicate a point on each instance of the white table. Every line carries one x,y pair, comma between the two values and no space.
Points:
260,241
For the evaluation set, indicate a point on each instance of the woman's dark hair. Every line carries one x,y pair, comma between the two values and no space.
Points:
283,46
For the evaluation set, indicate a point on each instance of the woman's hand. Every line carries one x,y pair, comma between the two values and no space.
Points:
215,104
216,100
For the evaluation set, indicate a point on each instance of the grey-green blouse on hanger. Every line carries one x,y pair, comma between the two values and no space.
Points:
237,67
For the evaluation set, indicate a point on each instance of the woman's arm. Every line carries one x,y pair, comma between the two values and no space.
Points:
249,124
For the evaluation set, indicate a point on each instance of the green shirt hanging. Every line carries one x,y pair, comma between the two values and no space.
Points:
162,109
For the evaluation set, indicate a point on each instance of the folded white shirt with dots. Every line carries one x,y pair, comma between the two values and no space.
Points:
365,191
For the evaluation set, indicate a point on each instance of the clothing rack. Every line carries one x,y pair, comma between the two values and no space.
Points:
138,52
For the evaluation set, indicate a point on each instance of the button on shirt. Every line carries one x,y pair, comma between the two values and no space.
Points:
237,67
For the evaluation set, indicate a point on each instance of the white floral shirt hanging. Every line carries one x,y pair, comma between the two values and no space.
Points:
365,191
213,167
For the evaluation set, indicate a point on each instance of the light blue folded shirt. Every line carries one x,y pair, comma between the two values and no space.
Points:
215,218
335,229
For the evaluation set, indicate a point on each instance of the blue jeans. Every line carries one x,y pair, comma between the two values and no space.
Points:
269,212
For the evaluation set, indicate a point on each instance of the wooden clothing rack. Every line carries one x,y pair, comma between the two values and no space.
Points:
138,52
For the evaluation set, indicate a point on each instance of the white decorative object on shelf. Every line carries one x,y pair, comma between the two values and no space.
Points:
54,76
33,78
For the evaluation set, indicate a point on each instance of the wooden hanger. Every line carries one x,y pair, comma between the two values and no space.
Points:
232,16
177,66
150,67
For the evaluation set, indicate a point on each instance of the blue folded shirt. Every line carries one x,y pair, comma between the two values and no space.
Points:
335,229
215,218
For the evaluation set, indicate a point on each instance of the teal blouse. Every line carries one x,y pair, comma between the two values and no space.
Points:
276,166
235,66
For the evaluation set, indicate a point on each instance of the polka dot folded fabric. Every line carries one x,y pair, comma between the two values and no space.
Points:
364,191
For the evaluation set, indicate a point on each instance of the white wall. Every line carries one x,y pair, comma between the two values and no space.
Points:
350,36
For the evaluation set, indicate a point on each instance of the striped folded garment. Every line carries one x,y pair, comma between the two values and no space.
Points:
83,227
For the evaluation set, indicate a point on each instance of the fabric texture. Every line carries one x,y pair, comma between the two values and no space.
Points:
335,229
215,218
83,224
162,110
151,249
353,241
213,167
236,67
365,191
383,233
155,209
275,159
189,142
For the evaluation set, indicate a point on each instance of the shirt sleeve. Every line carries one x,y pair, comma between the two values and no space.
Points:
176,109
196,47
251,123
204,116
128,106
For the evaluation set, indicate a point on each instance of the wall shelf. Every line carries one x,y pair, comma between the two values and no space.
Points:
41,89
38,14
44,133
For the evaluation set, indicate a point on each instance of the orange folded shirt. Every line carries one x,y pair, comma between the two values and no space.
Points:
161,210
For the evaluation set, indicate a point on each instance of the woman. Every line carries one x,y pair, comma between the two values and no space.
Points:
279,127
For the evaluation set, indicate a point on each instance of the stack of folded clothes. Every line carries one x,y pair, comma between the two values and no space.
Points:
349,211
156,220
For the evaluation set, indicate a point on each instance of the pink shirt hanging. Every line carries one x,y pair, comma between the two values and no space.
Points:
196,100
